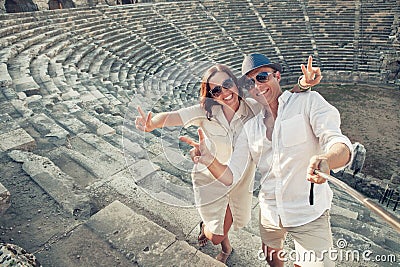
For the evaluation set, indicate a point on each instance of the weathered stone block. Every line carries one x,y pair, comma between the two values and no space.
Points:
17,139
104,129
57,184
142,168
149,243
4,199
337,210
5,79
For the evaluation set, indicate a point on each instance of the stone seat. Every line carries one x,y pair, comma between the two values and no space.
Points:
74,53
42,72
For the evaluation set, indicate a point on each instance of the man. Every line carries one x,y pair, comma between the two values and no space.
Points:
293,136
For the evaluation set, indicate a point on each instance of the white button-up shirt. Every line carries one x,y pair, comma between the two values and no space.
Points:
306,125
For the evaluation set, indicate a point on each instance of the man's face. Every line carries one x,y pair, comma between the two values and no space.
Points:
266,85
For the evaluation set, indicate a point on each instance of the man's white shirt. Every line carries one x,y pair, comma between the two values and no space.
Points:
306,125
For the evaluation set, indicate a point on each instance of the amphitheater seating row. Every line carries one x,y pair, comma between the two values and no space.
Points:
74,51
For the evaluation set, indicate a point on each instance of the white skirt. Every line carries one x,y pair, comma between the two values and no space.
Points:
212,198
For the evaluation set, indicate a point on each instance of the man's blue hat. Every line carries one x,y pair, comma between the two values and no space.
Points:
254,61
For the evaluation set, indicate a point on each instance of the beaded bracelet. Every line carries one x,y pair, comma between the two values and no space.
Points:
302,88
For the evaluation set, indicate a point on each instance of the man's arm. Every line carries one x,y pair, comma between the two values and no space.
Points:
337,156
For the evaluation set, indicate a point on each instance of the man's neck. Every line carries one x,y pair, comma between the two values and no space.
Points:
273,108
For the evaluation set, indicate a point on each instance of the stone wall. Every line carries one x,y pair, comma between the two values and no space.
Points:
34,5
2,7
13,6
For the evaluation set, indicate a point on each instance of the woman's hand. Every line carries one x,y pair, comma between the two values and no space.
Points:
199,153
143,122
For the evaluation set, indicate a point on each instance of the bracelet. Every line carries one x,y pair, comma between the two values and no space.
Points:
302,88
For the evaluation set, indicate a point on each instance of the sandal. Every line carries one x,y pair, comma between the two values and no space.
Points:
202,239
223,256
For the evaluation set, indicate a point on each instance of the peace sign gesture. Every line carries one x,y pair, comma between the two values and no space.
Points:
199,153
143,122
311,75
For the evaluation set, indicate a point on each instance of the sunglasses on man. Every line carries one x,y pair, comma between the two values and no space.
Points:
262,77
217,90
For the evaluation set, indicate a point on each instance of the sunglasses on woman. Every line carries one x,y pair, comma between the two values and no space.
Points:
262,77
217,90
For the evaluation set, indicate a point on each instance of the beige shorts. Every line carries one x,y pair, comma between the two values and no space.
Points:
313,238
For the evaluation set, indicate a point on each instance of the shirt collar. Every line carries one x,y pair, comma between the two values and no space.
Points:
240,113
243,110
284,97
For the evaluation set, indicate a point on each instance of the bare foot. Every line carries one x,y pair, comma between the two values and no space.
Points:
223,256
202,239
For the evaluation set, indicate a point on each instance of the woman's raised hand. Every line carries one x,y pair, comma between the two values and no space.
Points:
143,122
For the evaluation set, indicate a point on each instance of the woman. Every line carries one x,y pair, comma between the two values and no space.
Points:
221,114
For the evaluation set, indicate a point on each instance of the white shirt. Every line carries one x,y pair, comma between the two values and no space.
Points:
306,125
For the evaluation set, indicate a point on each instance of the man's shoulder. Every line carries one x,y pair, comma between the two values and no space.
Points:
308,95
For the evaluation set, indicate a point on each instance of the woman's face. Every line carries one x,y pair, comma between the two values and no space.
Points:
224,90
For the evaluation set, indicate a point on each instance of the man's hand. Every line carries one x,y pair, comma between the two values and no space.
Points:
317,163
199,153
143,122
311,75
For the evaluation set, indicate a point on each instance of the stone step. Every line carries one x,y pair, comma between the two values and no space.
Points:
5,78
100,152
143,241
95,124
17,139
84,247
59,185
178,216
90,159
48,129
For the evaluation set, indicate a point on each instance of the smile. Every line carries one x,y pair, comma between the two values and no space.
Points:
261,93
229,97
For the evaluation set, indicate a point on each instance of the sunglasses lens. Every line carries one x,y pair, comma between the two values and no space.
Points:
216,91
228,84
262,77
248,84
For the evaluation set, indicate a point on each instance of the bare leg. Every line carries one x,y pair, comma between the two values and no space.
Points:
272,256
226,248
217,239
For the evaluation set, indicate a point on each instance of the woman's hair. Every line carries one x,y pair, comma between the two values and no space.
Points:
206,99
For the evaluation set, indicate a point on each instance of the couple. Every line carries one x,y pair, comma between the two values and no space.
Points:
286,135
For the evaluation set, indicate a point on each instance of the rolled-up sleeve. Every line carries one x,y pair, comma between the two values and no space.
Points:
192,115
325,121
